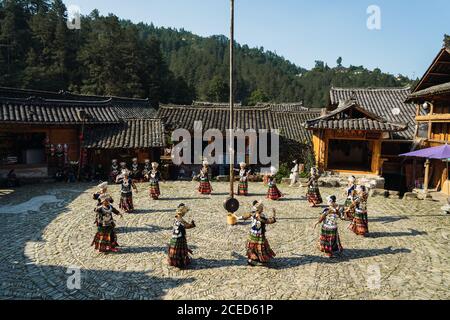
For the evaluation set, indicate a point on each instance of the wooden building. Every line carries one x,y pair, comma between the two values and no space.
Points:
432,99
363,133
42,132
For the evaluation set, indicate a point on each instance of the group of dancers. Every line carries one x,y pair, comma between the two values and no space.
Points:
259,251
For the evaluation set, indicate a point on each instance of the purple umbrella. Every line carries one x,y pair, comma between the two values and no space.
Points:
440,152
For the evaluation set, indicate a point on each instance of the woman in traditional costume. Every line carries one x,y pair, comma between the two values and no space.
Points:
243,180
135,172
349,207
126,192
105,239
115,170
360,224
329,238
258,248
273,193
178,255
154,177
313,193
205,186
123,166
146,170
102,189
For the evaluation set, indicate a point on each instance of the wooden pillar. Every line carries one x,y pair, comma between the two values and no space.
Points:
376,157
427,173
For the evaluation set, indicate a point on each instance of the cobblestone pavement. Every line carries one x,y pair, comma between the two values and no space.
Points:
408,249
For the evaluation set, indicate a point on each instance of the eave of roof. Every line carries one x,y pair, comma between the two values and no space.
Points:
443,57
419,96
387,103
129,134
371,121
360,124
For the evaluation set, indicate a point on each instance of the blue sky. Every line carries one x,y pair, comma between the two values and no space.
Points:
303,31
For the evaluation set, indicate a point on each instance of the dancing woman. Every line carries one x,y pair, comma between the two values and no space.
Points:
273,193
103,189
329,237
154,176
360,223
349,206
105,239
313,193
243,180
126,192
178,254
258,248
204,186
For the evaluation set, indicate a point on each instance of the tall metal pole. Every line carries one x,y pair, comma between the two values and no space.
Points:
231,143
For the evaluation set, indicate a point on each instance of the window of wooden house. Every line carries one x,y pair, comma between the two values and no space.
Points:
349,155
422,131
22,148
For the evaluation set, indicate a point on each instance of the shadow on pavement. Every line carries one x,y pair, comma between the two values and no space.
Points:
389,219
23,278
411,233
346,255
149,228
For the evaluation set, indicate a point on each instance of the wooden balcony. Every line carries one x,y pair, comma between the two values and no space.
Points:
444,117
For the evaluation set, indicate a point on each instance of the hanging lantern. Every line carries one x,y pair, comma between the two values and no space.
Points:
52,150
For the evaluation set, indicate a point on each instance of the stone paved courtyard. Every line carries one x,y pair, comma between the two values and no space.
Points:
408,249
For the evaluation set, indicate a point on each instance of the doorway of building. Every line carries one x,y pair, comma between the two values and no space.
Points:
355,155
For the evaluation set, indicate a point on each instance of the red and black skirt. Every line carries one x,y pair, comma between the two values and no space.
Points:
154,190
360,223
243,188
105,239
314,196
178,255
273,193
258,249
204,187
329,241
126,202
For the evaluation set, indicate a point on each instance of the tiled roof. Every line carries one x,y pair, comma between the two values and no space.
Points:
428,92
284,107
214,104
37,111
258,117
357,124
387,103
351,116
214,117
43,107
291,125
437,73
129,134
7,92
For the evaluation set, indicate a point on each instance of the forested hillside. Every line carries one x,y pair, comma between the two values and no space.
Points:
110,56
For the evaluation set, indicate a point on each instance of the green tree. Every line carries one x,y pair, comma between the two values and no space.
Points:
218,90
256,97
